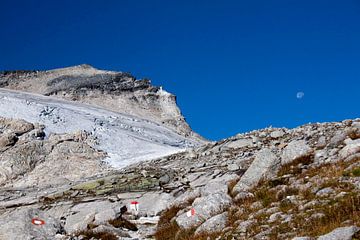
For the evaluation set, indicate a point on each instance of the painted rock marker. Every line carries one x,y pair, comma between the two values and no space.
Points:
37,221
134,207
190,212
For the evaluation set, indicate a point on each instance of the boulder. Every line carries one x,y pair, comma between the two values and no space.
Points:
277,134
264,165
294,150
343,233
7,140
218,185
19,224
214,224
337,139
205,208
240,143
81,215
352,147
152,203
17,126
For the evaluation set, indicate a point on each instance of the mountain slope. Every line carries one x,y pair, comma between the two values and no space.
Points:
115,91
126,139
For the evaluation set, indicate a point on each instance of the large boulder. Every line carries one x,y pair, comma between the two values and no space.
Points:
264,165
218,185
204,207
7,140
343,233
352,147
240,143
17,126
294,150
214,224
81,215
152,203
19,224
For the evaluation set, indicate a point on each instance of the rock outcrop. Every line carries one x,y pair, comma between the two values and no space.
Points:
116,91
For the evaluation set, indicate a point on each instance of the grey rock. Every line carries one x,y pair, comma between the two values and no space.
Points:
205,208
85,213
18,225
152,203
277,134
337,139
214,224
325,192
294,150
7,140
233,167
274,217
244,226
240,143
320,156
351,148
301,238
321,143
218,185
264,165
343,233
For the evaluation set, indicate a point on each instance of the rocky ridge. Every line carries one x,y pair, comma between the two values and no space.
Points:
115,91
301,183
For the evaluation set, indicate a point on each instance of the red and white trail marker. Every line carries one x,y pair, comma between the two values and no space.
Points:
37,221
191,212
134,207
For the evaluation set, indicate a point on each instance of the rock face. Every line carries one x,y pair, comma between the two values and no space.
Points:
61,158
116,91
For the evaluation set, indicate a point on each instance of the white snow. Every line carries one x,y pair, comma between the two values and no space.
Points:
127,139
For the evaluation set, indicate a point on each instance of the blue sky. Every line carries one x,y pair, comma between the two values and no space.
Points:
235,66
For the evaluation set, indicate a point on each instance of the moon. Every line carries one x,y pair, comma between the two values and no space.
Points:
300,95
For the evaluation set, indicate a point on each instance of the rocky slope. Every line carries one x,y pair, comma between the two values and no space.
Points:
132,169
265,184
115,91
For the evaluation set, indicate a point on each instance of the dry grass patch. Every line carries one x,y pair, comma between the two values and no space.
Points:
335,213
294,166
123,223
90,234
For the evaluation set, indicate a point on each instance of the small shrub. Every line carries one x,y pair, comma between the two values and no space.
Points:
286,205
356,172
266,196
307,194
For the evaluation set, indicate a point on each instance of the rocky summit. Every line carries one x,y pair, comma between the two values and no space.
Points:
93,154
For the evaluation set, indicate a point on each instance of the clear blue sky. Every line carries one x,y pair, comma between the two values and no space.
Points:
235,66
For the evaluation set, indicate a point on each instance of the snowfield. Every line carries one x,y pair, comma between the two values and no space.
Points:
127,139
